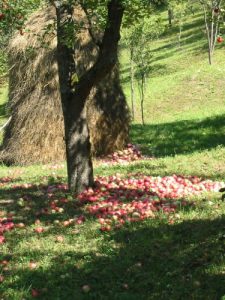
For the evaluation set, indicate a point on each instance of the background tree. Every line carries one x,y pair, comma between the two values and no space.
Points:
213,17
180,10
130,42
138,39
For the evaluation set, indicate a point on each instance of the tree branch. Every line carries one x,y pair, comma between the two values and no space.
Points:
95,39
107,57
6,124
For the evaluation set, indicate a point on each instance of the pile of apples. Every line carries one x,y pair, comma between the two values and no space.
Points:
129,154
116,201
6,224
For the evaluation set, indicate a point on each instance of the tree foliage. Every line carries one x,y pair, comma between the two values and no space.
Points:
13,14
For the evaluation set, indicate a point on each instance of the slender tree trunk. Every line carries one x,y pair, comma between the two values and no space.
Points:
180,33
170,16
212,35
208,34
75,94
132,79
142,98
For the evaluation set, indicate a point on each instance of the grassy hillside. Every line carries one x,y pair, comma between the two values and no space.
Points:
182,85
185,103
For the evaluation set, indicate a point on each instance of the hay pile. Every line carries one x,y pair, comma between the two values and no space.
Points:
35,133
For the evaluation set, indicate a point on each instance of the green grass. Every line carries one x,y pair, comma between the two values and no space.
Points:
3,97
184,132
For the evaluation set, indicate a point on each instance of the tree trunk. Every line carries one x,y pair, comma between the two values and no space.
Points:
170,16
208,34
132,79
210,56
77,140
75,94
78,147
142,97
180,34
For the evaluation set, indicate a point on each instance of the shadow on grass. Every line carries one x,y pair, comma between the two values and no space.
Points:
3,110
145,261
193,26
155,70
180,137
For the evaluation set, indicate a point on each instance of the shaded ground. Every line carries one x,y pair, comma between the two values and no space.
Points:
181,137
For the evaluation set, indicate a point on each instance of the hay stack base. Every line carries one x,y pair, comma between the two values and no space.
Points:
35,133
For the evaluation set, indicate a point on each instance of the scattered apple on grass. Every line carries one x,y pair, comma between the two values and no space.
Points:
33,265
39,229
35,293
2,16
86,288
2,239
60,238
20,225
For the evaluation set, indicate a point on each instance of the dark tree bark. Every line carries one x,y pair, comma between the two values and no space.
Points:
75,94
170,16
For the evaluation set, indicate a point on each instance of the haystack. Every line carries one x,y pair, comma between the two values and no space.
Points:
35,133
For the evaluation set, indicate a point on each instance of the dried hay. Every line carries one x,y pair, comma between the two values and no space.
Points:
36,130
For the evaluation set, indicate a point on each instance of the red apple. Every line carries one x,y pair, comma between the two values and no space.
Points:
32,265
2,239
35,293
219,39
39,229
60,238
2,16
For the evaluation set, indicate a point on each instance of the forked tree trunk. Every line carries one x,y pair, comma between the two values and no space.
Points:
75,94
77,140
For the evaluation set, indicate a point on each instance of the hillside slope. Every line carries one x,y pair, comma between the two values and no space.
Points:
185,102
182,85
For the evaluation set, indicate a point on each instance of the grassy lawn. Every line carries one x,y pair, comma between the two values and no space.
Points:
173,256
